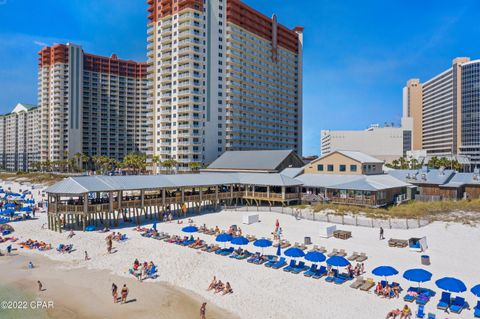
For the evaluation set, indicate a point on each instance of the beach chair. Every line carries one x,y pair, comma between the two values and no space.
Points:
411,294
253,257
367,285
225,251
279,264
310,272
333,253
420,312
342,253
423,298
431,316
332,278
353,256
322,271
322,249
214,248
445,301
285,244
358,282
362,257
315,248
341,278
458,305
299,268
291,266
476,310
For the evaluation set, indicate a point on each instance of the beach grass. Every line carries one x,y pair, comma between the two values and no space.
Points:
32,177
463,211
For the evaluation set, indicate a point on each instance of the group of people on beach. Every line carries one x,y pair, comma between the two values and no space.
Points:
387,290
123,293
358,270
142,270
405,313
219,287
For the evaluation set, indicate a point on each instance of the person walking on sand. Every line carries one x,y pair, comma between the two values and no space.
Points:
381,233
86,256
124,293
203,310
114,293
40,286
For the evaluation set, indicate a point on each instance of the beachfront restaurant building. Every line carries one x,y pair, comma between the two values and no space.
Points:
77,202
441,184
352,178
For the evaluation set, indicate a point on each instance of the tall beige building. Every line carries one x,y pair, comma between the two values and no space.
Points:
91,104
445,118
224,77
20,137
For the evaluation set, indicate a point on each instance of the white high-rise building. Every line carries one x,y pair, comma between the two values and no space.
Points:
20,138
386,143
223,77
91,104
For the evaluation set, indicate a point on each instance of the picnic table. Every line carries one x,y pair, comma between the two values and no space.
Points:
342,234
399,243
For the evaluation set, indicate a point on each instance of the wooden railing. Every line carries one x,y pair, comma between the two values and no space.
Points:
158,201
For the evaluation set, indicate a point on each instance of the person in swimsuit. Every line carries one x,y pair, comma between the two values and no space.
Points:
124,293
114,293
40,286
203,310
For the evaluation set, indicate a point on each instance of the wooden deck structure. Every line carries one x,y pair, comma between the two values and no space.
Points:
107,207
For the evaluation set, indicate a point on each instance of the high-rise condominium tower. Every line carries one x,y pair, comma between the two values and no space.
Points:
20,138
223,77
445,118
90,104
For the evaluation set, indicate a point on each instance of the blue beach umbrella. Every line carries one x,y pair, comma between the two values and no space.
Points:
188,229
476,290
224,238
451,284
10,205
315,256
262,243
240,240
338,261
385,271
417,275
294,252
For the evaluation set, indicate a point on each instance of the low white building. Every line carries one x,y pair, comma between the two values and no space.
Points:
385,143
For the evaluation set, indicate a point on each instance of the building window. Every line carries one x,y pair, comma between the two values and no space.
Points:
320,167
330,167
343,168
353,168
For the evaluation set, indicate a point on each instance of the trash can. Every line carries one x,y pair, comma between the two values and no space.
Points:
308,241
425,260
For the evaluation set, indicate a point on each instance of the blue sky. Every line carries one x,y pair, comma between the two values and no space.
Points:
358,54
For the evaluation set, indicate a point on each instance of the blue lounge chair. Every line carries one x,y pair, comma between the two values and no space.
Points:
423,298
477,310
224,251
341,278
458,305
445,301
332,278
253,257
291,266
420,312
322,271
431,316
299,268
279,264
311,271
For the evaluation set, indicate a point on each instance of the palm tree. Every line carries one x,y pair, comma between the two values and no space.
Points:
135,161
395,164
156,161
169,164
433,162
194,166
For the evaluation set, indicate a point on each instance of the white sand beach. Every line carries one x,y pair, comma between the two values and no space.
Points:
260,292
